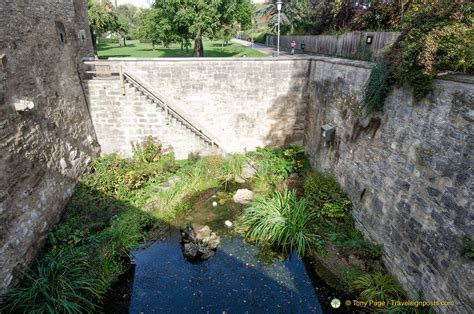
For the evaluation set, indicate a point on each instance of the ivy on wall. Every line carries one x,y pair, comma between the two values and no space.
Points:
437,37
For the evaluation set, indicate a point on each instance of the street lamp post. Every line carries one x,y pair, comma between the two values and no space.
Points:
279,3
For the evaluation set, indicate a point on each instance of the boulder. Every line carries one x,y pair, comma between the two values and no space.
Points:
200,244
190,250
248,172
243,196
213,241
206,252
203,233
188,235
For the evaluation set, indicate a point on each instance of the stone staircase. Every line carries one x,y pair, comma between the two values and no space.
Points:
174,114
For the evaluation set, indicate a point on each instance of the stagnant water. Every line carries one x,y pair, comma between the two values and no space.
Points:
235,280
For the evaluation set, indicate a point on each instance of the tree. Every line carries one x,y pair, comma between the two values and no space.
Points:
295,14
123,28
195,19
130,14
148,28
102,18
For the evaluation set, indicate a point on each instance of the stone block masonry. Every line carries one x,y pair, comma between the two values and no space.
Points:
242,103
122,121
408,172
44,150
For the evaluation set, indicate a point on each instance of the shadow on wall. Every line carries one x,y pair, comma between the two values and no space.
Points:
288,113
38,172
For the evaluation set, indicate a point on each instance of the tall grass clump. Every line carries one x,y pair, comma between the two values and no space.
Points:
378,287
232,167
282,220
57,284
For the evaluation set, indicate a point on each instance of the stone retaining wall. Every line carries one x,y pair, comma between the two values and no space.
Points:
242,103
408,172
43,151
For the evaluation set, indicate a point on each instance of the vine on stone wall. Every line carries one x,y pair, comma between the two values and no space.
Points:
437,37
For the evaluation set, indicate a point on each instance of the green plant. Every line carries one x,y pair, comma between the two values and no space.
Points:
57,284
335,210
326,195
438,36
377,88
282,220
275,164
468,245
378,287
232,167
147,151
350,275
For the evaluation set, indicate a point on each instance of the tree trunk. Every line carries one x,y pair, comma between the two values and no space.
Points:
94,44
198,47
182,45
124,41
153,44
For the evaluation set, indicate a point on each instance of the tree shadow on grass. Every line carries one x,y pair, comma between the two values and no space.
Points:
103,47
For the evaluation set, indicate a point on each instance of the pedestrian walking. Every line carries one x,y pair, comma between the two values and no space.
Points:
293,47
302,46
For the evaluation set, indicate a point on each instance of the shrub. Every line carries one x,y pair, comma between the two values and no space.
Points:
57,284
147,151
378,287
282,220
279,162
326,195
468,245
437,36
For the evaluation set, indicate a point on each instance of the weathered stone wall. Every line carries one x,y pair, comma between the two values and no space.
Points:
44,150
408,172
124,120
242,103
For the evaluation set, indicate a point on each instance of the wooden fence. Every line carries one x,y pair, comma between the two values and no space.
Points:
355,45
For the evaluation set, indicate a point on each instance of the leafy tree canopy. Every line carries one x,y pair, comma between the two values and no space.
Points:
102,18
186,20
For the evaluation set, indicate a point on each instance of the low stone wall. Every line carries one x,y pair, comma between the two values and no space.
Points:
242,103
44,150
408,173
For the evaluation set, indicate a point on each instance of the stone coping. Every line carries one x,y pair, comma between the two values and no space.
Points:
455,77
356,63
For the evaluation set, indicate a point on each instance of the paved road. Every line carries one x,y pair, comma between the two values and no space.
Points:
265,49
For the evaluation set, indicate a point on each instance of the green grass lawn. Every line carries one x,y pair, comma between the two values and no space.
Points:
136,49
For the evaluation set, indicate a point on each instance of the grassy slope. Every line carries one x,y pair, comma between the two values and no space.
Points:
136,49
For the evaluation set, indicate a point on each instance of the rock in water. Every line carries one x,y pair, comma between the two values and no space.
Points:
213,241
206,252
228,223
200,244
190,250
188,234
243,196
203,233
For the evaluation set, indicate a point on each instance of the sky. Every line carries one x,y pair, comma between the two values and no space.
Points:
138,3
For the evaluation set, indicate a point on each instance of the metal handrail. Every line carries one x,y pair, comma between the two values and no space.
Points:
171,110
